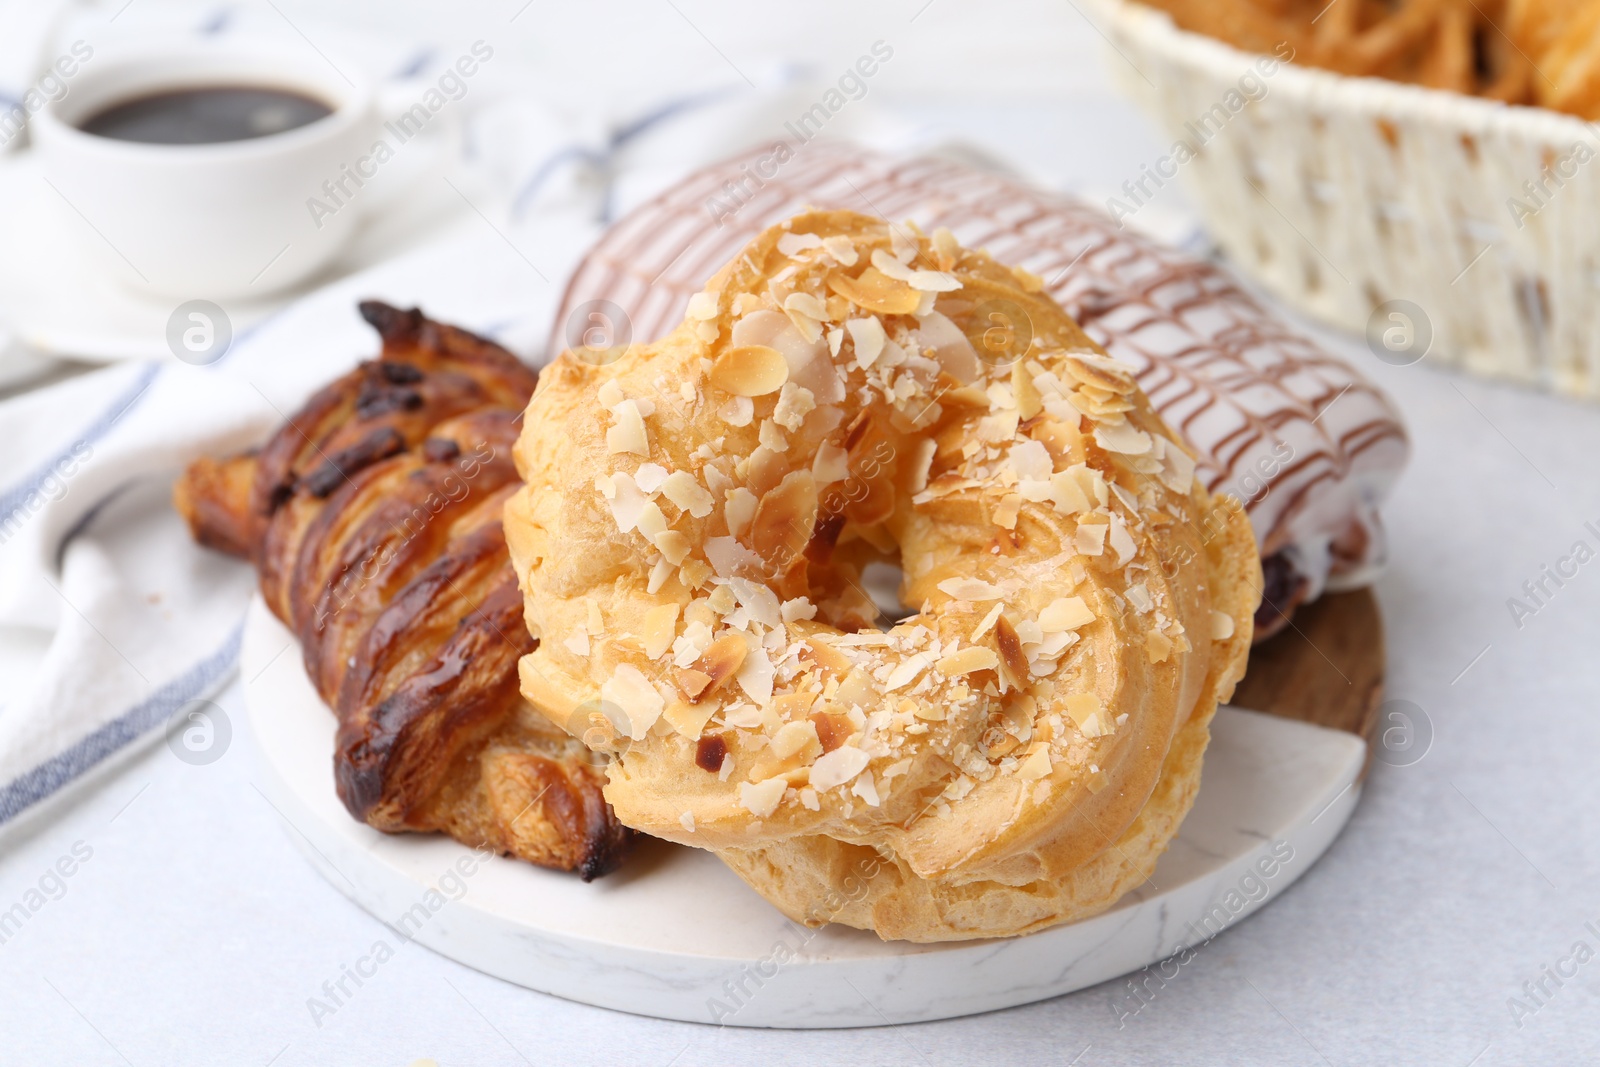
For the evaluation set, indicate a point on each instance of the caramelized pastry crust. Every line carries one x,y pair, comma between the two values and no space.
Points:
373,517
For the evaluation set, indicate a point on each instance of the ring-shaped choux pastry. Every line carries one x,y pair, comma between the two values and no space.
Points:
1018,750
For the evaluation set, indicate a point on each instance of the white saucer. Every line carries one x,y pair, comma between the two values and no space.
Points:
676,935
57,303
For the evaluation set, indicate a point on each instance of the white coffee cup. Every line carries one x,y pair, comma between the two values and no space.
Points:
229,220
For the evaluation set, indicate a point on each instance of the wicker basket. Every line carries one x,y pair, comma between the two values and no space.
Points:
1341,194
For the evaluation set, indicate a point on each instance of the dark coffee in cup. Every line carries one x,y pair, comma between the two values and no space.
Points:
210,114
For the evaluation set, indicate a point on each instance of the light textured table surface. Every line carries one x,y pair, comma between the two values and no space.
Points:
195,933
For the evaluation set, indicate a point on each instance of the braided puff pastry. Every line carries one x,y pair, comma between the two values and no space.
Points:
698,513
373,516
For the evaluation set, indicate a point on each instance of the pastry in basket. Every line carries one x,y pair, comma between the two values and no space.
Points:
1309,444
1015,753
373,516
1536,52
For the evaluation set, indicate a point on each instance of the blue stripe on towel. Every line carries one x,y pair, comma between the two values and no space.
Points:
15,499
54,773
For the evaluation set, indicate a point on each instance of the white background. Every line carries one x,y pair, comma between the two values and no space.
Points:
196,932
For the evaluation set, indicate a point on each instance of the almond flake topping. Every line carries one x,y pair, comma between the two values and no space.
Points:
702,306
841,248
969,659
791,243
1088,713
838,767
868,337
876,292
631,693
1065,613
629,433
1124,438
761,798
927,281
1037,765
795,402
970,589
689,495
749,370
1090,540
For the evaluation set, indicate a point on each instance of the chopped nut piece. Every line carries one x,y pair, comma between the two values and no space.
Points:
825,655
629,691
673,546
660,626
795,402
1065,613
868,337
755,676
738,411
702,306
857,689
1086,710
1012,659
750,370
651,522
1221,625
692,683
1124,439
1122,541
841,248
795,738
681,488
988,621
649,477
969,659
922,454
693,573
1158,645
875,292
771,437
807,305
1022,387
761,798
629,433
1090,539
970,589
1036,766
1005,515
784,519
831,465
739,510
927,281
1066,493
905,672
690,719
838,767
1100,371
719,663
832,730
792,243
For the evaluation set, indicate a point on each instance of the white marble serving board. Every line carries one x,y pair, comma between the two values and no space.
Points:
676,935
